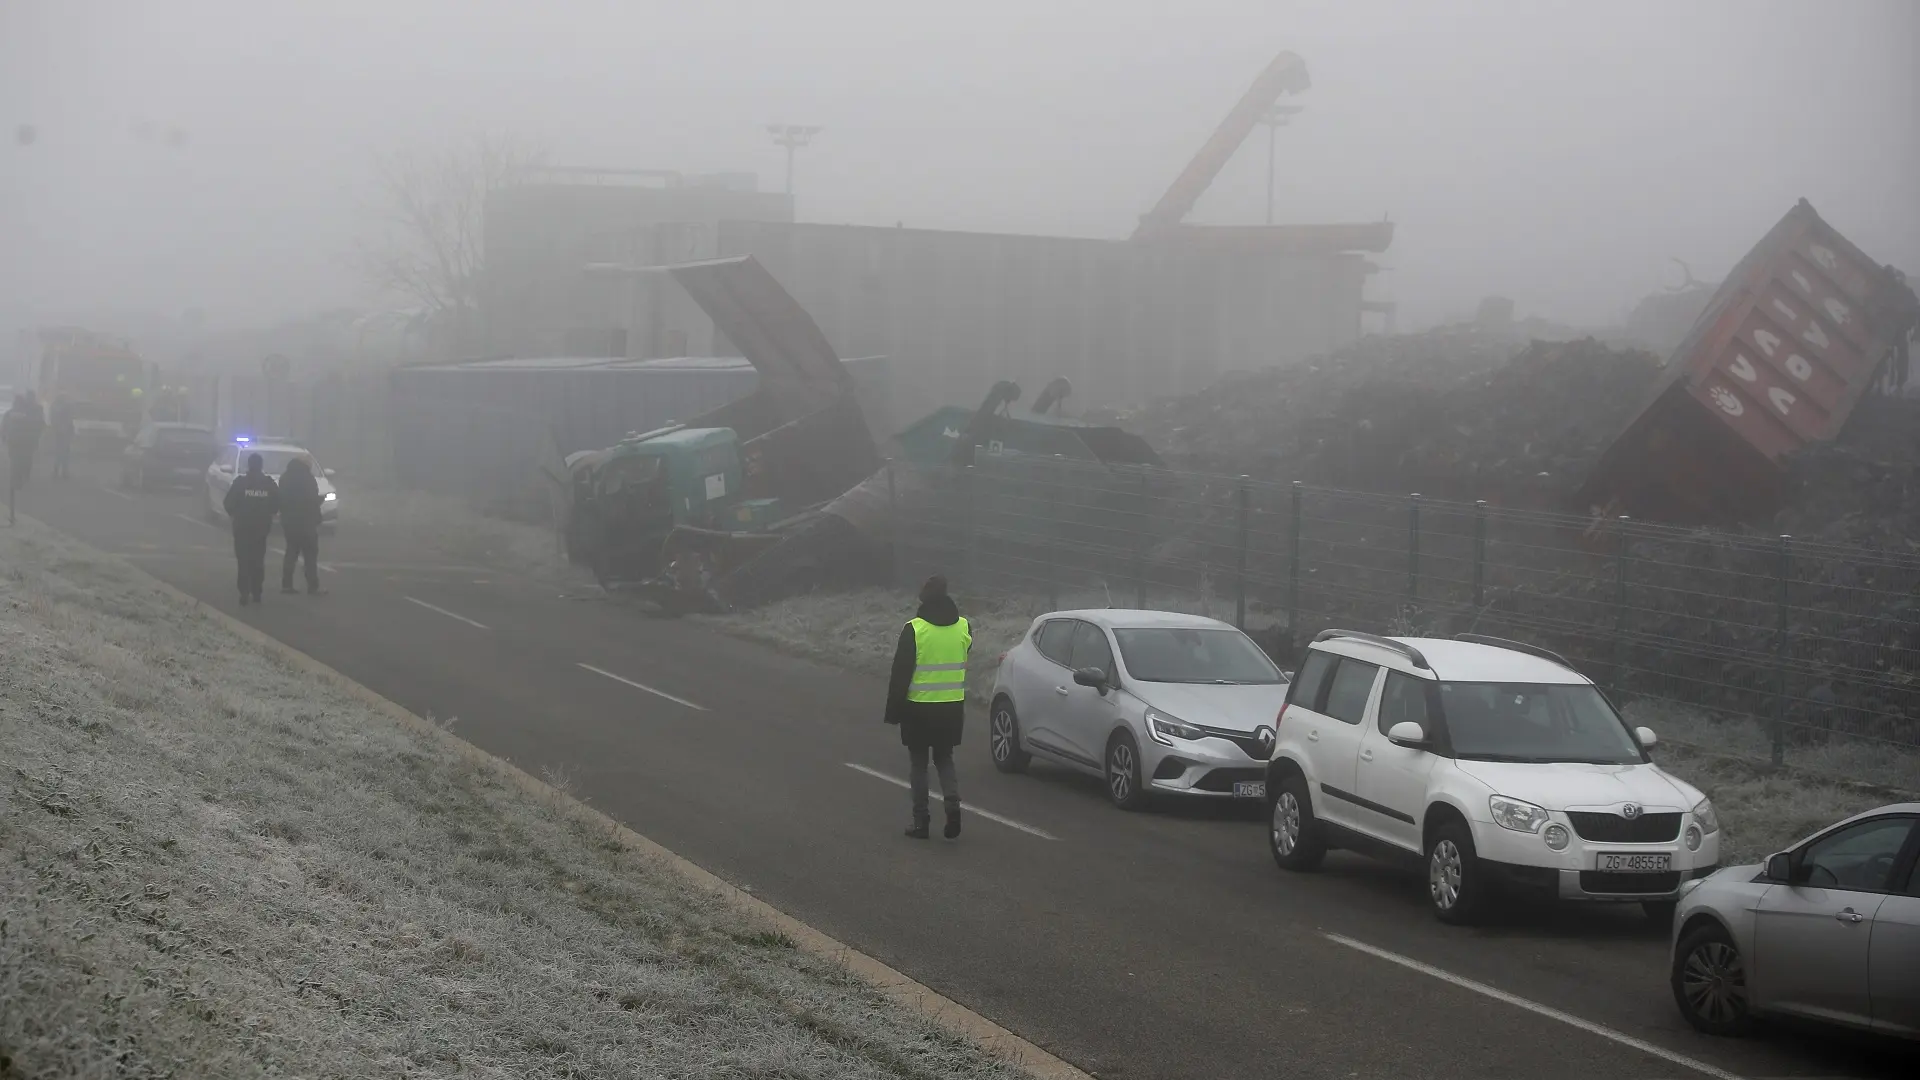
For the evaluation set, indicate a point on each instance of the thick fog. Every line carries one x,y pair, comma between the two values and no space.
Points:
214,155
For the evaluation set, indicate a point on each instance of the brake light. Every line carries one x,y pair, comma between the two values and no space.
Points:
1281,718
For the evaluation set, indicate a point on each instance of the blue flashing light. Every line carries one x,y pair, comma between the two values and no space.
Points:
243,439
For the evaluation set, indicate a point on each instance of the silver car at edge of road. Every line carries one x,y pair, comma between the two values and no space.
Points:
1828,930
1153,702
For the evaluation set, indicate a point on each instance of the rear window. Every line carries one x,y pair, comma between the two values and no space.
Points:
1352,685
1055,640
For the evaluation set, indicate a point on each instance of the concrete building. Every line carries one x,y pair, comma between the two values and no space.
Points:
541,236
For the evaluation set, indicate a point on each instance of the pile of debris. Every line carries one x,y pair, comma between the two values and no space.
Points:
1458,413
1864,487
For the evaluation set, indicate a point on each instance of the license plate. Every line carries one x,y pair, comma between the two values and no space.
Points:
1250,789
1633,864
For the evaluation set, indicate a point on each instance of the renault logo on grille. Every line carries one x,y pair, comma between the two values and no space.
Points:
1264,738
1630,811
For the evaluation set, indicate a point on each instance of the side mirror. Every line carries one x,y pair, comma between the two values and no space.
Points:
1091,676
1648,740
328,473
1409,734
1780,867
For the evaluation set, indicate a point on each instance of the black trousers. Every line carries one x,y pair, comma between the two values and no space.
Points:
917,778
302,543
250,552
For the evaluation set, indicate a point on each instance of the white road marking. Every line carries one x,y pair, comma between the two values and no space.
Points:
117,493
643,686
444,611
934,793
1547,1011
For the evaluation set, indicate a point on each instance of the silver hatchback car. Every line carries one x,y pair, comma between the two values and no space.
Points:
1154,702
1827,930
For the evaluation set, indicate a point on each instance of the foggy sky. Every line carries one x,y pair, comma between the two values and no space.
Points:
1557,153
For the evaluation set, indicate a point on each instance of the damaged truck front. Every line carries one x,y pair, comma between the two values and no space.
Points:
633,510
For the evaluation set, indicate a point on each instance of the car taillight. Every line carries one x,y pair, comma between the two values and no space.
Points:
1278,720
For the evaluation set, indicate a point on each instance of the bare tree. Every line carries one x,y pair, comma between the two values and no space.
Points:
431,251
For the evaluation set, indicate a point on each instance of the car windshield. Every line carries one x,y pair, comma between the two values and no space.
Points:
1195,655
1534,722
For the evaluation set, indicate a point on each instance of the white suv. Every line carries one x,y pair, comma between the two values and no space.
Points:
1487,762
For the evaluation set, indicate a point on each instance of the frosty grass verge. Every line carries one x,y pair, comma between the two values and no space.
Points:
214,865
1764,810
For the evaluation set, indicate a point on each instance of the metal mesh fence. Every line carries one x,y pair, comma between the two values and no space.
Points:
1800,651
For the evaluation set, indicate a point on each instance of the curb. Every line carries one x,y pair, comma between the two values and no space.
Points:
897,987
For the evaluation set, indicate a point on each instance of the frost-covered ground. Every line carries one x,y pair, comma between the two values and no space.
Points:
215,865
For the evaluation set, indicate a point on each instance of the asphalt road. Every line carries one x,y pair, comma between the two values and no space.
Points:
1163,944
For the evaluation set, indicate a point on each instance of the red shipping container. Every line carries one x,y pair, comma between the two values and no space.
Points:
1798,332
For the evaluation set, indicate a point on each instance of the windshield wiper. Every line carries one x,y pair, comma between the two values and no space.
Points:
1515,758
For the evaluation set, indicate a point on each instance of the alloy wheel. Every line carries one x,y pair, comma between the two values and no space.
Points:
1715,982
1286,823
1443,875
1120,772
1000,733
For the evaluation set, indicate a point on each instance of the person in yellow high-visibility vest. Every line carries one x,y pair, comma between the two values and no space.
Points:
927,698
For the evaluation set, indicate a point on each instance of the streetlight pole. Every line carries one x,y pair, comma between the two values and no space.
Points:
793,137
1275,119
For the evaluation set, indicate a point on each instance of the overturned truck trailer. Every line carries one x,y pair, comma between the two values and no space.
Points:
1802,328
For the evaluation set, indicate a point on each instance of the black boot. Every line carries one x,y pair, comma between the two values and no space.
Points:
918,830
953,822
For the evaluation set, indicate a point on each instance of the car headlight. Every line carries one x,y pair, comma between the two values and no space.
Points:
1709,821
329,497
1516,815
1165,729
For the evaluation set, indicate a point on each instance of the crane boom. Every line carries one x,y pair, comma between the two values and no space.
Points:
1286,74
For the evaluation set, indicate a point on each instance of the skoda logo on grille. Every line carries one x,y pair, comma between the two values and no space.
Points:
1264,737
1630,811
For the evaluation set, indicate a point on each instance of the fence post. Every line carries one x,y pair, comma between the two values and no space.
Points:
1240,555
971,564
1413,550
1293,569
1620,579
899,529
1780,653
1058,525
1140,543
1479,556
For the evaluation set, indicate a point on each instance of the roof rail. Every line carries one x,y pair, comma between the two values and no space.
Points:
1517,646
1400,647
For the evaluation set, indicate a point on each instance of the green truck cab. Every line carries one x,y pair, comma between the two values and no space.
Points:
629,496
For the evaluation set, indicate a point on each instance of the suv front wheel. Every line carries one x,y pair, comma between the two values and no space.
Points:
1293,835
1454,883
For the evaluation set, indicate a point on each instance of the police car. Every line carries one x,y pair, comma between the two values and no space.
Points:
231,463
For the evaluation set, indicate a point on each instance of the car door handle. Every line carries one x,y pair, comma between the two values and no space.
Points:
1314,735
1061,690
1366,755
1848,915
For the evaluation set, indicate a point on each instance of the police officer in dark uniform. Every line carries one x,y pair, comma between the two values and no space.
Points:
300,501
250,504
